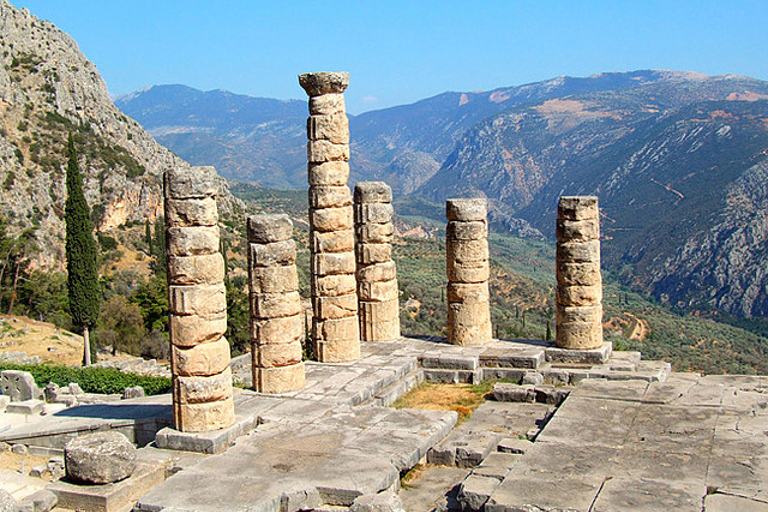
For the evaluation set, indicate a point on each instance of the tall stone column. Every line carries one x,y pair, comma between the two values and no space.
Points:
202,381
277,321
376,274
466,245
335,328
579,283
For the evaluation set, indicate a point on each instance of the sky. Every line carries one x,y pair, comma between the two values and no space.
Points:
398,51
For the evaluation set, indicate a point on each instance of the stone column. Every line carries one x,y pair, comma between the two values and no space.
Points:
335,328
376,274
276,314
579,283
202,380
466,245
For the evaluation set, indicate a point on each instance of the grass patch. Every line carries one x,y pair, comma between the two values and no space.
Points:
462,398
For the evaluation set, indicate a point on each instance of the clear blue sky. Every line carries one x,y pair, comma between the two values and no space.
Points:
402,51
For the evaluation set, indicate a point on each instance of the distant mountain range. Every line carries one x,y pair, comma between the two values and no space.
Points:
678,159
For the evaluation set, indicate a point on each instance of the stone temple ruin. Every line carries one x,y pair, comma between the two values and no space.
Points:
572,425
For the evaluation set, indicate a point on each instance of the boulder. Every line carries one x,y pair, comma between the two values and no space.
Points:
100,458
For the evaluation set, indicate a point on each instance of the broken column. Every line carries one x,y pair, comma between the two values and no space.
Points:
277,321
466,245
579,283
376,274
335,328
202,380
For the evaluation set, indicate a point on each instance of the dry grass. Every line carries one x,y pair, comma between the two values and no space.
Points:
462,398
13,462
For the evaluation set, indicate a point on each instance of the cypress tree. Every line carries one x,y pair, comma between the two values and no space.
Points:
148,237
82,269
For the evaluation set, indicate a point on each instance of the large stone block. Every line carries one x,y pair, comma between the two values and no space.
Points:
378,291
468,292
381,330
469,323
374,313
333,286
191,330
272,254
201,360
273,305
272,356
280,380
583,314
18,385
326,196
201,299
193,241
368,254
191,212
467,250
326,82
190,182
578,208
319,151
283,279
332,263
579,274
578,230
332,241
335,307
471,272
337,329
378,213
99,458
475,209
328,174
276,331
579,336
375,233
331,219
377,272
327,104
191,270
580,295
267,228
579,252
474,230
337,351
373,192
195,390
205,417
333,128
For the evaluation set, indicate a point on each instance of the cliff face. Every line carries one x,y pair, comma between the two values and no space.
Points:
48,89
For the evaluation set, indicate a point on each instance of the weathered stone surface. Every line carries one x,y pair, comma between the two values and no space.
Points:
332,241
378,213
191,212
380,321
327,104
373,192
281,380
578,230
578,274
339,350
466,230
471,272
469,324
368,254
341,306
201,299
576,252
331,219
577,335
378,291
189,183
133,392
267,228
19,385
272,305
333,128
279,330
201,360
575,314
278,279
329,174
468,292
100,458
193,241
382,502
326,264
468,251
191,330
333,286
319,151
273,356
580,295
272,254
578,207
7,503
201,389
341,329
379,311
377,272
474,209
316,84
191,270
375,233
325,196
204,417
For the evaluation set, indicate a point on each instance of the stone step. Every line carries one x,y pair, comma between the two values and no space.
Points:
508,392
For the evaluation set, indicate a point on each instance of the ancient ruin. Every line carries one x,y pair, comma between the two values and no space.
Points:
579,282
202,380
466,247
277,320
335,324
377,290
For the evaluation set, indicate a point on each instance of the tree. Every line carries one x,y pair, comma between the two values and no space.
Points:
121,325
82,270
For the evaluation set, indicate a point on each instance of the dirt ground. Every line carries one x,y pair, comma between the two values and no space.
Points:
462,398
14,462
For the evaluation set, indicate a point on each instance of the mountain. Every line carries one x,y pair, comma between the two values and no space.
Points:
48,90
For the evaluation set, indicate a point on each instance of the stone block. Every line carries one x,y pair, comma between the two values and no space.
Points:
201,299
577,230
338,351
474,230
576,314
475,209
341,306
280,380
475,491
511,374
579,336
280,253
476,272
368,254
331,127
191,330
201,389
319,151
578,208
333,286
373,192
329,196
341,329
333,174
267,228
273,305
282,279
375,233
316,84
190,182
468,251
31,407
133,392
19,385
382,330
5,400
576,295
191,212
202,360
327,104
578,274
469,324
7,502
468,292
273,356
377,272
514,445
192,270
332,241
193,241
275,331
99,458
379,311
378,291
331,219
332,263
42,500
575,252
507,392
207,416
377,213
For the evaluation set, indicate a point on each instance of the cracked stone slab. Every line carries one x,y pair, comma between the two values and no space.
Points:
728,503
646,495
